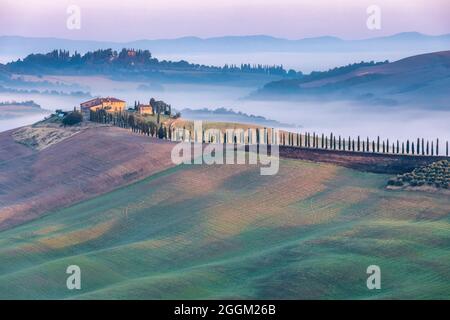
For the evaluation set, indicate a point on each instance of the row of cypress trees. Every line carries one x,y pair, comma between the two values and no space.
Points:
306,140
333,142
130,121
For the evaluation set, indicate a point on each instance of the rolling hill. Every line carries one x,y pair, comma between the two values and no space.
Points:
84,164
135,64
221,231
418,80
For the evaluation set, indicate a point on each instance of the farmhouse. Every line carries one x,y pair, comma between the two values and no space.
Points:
144,109
153,107
110,104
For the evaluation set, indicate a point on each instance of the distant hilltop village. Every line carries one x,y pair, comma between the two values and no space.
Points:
114,105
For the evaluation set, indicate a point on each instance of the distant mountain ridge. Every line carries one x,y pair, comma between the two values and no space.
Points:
407,41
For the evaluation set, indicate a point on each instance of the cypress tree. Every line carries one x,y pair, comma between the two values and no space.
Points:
387,145
437,146
331,140
423,147
398,146
161,132
403,148
340,142
378,144
358,144
323,140
412,147
432,147
428,148
418,146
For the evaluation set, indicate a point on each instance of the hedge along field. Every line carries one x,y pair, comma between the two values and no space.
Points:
225,231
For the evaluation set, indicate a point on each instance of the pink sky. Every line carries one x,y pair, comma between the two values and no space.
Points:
149,19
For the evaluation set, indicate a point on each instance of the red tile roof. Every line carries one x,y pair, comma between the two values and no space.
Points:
97,101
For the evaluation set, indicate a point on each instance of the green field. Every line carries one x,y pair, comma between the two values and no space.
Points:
207,232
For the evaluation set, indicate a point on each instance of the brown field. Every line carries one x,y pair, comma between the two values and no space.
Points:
84,165
48,132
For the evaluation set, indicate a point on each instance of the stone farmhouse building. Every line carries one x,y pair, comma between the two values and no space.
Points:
109,104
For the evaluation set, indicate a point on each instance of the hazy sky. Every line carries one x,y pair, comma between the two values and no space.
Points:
122,20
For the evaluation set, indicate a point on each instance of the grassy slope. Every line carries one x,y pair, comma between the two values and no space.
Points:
227,232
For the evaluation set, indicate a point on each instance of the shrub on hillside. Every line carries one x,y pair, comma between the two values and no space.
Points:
436,174
72,118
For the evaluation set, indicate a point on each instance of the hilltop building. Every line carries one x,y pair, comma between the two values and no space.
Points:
144,109
113,105
153,107
110,104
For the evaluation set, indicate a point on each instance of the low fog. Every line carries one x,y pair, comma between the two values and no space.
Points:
341,118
